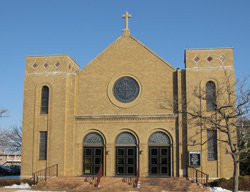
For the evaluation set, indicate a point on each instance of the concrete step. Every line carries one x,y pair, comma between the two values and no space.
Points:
120,184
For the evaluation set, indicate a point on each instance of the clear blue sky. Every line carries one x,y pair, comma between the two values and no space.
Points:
83,28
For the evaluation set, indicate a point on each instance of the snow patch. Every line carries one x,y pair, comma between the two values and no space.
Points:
21,186
37,191
219,189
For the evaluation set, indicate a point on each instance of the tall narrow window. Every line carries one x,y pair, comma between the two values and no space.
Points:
212,144
43,145
211,96
45,100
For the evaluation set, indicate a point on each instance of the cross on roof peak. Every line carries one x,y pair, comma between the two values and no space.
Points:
126,31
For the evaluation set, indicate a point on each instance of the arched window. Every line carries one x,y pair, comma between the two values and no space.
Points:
125,139
45,100
93,139
211,96
159,138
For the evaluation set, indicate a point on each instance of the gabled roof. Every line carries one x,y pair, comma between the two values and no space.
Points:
137,41
152,52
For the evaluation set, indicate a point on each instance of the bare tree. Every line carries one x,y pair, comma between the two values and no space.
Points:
217,110
244,142
3,113
11,139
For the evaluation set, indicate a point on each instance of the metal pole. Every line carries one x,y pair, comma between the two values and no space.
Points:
196,177
46,174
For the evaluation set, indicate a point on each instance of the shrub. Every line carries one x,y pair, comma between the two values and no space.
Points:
8,182
244,183
217,182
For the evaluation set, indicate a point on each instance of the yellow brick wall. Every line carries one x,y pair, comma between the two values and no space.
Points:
197,75
77,98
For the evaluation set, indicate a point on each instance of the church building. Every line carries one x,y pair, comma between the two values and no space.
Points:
119,112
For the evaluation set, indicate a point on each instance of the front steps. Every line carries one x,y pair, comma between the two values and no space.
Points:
120,184
169,184
65,184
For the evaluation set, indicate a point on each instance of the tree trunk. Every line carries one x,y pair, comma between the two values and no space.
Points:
236,176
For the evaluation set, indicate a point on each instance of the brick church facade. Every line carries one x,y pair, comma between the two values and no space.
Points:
110,112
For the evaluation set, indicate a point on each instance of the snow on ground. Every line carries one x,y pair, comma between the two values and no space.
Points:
214,189
26,186
218,189
36,191
21,186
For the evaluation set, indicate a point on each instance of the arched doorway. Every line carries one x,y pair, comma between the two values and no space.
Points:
92,153
159,154
126,154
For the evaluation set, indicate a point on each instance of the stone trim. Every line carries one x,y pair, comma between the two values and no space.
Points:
126,117
50,73
59,55
205,68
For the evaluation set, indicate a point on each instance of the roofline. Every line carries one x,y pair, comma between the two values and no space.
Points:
54,56
152,52
208,48
89,63
47,55
137,42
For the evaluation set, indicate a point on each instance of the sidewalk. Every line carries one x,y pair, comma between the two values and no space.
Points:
2,189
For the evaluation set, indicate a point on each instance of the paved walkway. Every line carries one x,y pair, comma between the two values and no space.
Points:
2,189
32,190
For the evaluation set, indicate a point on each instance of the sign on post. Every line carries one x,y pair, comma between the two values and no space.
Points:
194,158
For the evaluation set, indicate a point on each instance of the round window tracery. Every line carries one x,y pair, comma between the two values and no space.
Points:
125,138
159,138
126,89
93,139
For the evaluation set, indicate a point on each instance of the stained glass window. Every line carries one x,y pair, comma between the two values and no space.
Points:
93,139
159,138
45,100
210,96
125,138
126,89
43,145
212,144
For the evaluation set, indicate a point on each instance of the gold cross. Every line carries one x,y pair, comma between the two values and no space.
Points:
126,16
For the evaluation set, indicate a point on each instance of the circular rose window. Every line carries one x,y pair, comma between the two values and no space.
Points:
126,89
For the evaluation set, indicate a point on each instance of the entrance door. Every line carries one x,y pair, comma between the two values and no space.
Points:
126,161
159,160
93,159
